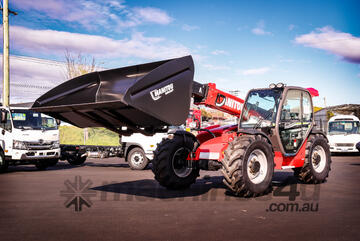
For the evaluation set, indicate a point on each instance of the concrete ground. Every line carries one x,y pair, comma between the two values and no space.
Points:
105,200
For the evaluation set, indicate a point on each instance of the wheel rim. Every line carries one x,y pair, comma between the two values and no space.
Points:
318,158
1,161
257,166
137,158
179,163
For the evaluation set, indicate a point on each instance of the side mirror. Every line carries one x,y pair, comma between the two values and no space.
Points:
4,114
58,122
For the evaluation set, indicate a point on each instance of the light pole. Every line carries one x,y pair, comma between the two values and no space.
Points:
6,70
6,84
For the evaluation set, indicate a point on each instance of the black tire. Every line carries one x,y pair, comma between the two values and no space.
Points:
169,163
4,164
41,165
52,162
76,160
235,168
136,159
310,172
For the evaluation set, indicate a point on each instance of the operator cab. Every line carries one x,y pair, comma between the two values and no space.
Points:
283,113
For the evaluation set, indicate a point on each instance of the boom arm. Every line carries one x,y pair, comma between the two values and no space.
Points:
210,96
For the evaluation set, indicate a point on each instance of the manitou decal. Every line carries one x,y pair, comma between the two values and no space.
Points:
231,103
158,93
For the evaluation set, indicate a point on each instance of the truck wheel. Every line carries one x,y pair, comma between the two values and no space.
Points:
248,166
137,159
170,163
52,162
76,161
317,161
3,163
41,165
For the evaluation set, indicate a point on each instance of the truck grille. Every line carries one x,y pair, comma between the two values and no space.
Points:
344,144
38,145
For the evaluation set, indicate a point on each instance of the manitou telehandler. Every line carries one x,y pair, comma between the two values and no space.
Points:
275,129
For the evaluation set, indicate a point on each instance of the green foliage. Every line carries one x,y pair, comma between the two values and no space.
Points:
72,135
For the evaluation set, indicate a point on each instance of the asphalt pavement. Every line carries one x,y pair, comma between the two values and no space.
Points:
105,200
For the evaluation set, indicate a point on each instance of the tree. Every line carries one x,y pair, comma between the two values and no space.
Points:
77,65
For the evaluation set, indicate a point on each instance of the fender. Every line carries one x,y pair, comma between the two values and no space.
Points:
256,132
186,133
320,132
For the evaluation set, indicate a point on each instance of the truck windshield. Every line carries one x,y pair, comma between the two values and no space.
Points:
260,108
27,119
344,127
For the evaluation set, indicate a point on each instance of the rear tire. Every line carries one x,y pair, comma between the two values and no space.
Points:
248,166
4,164
76,161
317,164
136,159
170,163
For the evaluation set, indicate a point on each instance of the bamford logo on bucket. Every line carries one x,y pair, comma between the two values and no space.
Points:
158,93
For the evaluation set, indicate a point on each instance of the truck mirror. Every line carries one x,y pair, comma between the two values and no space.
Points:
58,122
4,114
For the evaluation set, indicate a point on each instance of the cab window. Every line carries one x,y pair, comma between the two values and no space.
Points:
7,126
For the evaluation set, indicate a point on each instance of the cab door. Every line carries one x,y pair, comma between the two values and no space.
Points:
295,120
5,133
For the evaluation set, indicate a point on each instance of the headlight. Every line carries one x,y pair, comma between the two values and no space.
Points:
55,144
20,145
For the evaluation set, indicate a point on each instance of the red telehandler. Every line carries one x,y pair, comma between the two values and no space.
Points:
275,129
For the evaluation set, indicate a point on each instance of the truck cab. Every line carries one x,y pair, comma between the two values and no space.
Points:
28,137
343,133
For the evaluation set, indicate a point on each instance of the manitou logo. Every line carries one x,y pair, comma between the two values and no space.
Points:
223,100
158,93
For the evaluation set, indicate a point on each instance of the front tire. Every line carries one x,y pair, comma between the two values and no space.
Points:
136,159
170,163
41,165
52,162
317,164
248,166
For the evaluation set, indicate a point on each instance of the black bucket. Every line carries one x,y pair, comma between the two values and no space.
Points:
143,98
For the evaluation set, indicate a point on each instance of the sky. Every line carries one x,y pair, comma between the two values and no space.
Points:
239,45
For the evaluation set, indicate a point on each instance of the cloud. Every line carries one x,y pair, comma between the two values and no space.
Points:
95,14
260,29
152,15
291,27
219,52
256,71
31,77
189,27
56,42
341,44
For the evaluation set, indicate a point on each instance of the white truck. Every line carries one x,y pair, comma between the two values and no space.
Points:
27,137
138,149
344,133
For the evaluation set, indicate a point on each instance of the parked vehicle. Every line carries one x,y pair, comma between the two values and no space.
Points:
275,129
344,133
28,137
138,149
77,154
